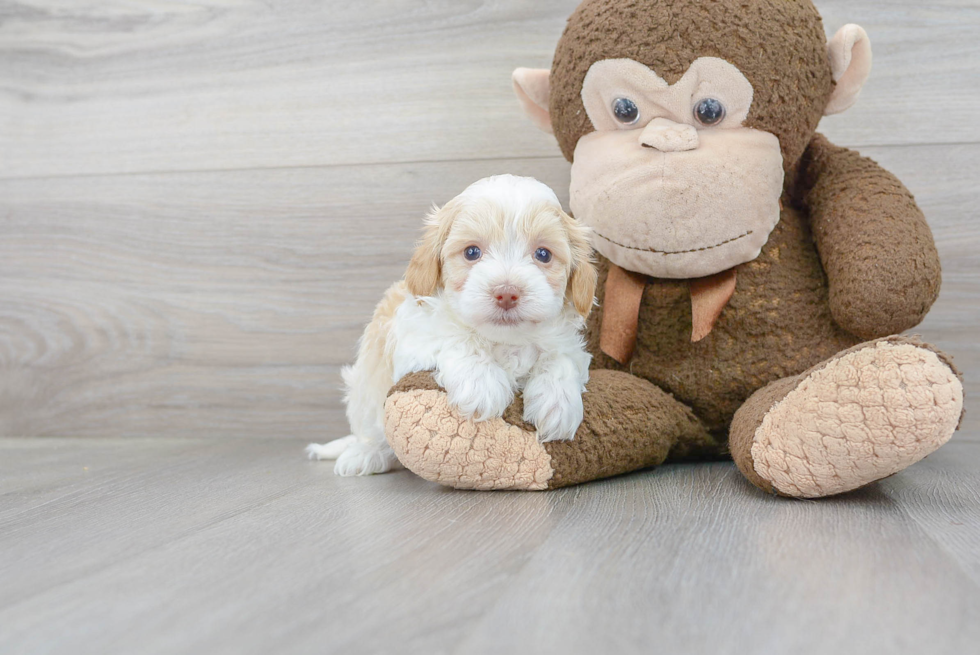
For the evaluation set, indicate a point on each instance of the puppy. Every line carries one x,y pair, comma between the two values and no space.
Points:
494,301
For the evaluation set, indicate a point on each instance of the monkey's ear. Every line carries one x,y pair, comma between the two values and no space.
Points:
533,90
850,61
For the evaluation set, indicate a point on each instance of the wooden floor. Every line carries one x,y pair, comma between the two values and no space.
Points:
197,546
200,203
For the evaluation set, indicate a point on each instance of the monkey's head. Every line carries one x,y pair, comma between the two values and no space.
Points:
682,117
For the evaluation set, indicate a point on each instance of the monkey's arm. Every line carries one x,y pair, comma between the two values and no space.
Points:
874,243
628,424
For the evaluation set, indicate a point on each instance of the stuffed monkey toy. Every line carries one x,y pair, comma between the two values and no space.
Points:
753,276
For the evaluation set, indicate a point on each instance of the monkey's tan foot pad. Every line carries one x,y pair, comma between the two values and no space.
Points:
629,424
860,417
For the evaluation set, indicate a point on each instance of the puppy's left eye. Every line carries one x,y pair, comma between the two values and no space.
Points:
543,255
472,253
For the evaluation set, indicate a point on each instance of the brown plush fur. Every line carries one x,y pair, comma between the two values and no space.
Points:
629,424
790,311
777,323
851,258
874,243
779,45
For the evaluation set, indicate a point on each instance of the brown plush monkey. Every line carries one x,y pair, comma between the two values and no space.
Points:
752,273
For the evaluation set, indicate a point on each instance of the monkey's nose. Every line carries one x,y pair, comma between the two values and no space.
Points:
506,296
667,136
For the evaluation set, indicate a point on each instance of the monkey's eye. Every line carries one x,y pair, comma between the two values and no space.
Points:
625,111
472,253
543,255
709,112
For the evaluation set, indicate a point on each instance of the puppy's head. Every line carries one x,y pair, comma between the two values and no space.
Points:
505,254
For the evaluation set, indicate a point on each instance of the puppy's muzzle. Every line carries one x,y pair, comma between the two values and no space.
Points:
506,296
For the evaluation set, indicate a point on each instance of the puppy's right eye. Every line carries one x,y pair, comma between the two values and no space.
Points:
472,253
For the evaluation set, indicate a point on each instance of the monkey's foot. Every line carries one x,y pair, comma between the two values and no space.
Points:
861,416
629,424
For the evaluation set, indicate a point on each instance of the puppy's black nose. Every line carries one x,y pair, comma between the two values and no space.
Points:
506,296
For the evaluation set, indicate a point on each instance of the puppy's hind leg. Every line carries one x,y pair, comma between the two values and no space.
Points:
358,401
367,451
363,458
366,454
331,449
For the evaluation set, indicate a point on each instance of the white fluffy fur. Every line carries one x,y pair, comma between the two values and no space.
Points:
481,354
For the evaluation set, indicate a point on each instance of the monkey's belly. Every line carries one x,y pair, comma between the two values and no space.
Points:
778,323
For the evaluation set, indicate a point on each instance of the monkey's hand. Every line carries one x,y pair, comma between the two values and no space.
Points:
876,248
629,424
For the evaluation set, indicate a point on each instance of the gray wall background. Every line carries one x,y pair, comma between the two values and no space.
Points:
201,202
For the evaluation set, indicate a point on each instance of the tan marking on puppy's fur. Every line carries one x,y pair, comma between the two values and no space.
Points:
491,325
374,342
438,259
424,272
481,225
584,275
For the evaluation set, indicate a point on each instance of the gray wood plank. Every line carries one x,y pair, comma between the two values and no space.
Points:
254,549
691,560
189,546
944,498
223,304
940,179
925,56
118,87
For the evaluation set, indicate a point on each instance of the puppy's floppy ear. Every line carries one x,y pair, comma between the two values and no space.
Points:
582,282
424,274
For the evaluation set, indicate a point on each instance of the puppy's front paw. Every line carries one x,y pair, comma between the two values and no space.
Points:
554,407
362,458
481,393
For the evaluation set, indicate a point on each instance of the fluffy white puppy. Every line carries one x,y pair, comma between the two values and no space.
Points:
494,301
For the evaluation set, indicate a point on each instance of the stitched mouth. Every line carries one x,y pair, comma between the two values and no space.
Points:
674,252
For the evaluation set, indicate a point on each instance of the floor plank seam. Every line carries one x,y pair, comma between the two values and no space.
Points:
397,162
288,167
